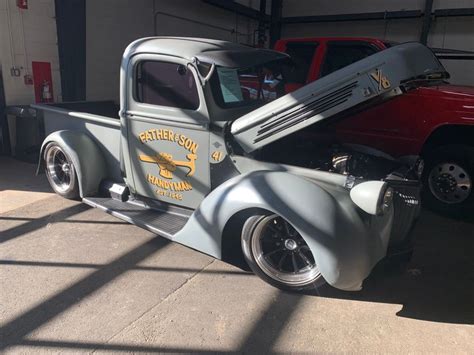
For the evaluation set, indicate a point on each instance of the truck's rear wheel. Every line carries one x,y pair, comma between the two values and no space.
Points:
448,179
60,171
278,254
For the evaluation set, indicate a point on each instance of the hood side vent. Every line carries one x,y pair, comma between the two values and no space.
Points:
312,108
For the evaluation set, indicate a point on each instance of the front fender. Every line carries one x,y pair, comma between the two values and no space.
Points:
86,156
342,244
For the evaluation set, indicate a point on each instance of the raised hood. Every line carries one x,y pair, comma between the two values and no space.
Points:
380,75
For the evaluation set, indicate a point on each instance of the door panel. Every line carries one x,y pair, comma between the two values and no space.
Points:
166,122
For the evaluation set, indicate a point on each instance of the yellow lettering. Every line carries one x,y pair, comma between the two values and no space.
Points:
148,136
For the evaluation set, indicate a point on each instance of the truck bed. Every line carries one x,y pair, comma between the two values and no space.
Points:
99,120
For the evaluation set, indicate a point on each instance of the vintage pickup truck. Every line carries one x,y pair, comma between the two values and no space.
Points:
190,158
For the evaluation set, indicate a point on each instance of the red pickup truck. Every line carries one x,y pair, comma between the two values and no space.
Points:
435,121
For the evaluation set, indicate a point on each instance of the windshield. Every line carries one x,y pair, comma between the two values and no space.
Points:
248,86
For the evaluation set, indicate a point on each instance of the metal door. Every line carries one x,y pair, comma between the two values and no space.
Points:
167,129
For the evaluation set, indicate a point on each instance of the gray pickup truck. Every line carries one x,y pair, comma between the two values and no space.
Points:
199,155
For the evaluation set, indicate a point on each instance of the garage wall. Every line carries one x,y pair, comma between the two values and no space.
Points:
447,32
179,18
113,24
39,40
110,26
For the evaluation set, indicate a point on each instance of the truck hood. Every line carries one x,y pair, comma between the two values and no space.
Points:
367,82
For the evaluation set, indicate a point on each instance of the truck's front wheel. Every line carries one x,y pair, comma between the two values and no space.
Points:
278,254
60,171
448,179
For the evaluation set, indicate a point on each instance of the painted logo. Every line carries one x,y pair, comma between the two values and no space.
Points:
167,165
382,80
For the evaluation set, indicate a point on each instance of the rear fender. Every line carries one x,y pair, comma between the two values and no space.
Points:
86,156
342,245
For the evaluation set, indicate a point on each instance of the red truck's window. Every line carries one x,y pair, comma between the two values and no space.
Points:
166,84
340,54
302,54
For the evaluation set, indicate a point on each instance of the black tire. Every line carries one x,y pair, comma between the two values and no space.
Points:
448,179
262,232
60,171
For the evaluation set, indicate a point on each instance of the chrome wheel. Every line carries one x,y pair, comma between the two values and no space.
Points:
282,254
59,169
450,183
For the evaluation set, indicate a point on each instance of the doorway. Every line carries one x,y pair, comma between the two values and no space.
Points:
4,137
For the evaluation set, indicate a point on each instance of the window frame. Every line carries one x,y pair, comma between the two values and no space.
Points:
132,107
136,85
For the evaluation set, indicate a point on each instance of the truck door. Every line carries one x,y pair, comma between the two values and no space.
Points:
166,123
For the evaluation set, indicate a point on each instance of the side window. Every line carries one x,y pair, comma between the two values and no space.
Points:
341,54
166,84
302,54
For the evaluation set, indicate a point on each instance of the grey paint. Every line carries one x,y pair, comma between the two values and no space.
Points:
344,245
86,156
104,131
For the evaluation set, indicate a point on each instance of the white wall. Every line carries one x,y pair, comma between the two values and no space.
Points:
452,32
39,26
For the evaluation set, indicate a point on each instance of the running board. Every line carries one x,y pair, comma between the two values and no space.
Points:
164,223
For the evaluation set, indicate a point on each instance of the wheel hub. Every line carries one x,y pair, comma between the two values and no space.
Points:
291,244
446,183
65,168
450,183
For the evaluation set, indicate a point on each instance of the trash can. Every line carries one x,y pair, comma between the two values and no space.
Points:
24,132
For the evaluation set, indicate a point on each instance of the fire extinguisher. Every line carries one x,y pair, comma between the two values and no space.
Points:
22,4
46,95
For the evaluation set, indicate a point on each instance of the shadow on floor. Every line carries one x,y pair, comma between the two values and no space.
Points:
437,284
21,176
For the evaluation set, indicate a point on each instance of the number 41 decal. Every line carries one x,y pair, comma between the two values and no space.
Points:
217,156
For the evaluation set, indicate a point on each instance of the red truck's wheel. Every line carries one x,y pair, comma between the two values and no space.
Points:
278,254
448,179
60,171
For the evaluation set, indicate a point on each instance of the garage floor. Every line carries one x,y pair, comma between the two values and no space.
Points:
74,279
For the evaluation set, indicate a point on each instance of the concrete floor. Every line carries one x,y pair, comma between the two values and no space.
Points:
74,279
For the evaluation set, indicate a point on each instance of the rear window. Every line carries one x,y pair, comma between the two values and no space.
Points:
342,54
166,84
302,54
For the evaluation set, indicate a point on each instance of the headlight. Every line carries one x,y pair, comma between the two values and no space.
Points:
374,197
